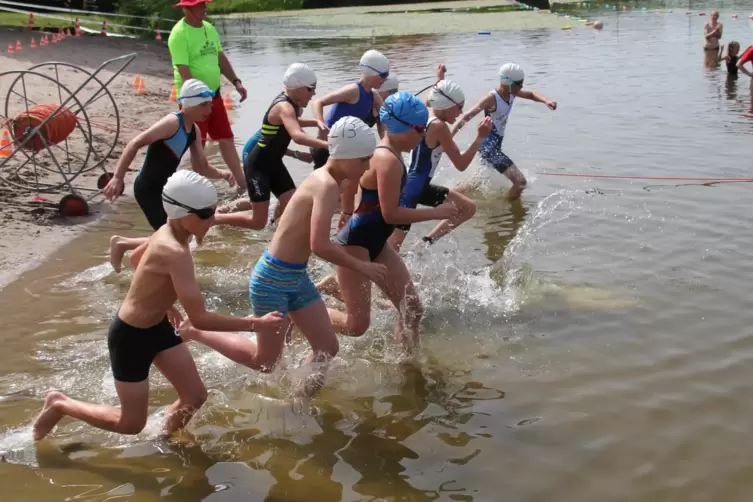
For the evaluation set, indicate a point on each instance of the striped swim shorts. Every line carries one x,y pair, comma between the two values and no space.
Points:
279,286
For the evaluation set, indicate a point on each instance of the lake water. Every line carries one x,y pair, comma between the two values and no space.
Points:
592,343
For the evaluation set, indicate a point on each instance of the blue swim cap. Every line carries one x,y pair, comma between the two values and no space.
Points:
402,110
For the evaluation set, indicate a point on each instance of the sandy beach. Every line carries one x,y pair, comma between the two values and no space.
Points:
28,233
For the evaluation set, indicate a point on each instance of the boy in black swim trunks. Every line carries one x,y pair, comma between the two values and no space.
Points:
142,334
265,171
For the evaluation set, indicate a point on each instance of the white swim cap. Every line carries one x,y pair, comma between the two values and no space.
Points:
391,83
351,138
188,189
446,94
373,63
299,75
511,72
194,92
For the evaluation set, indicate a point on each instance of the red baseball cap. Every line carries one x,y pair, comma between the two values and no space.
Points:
190,3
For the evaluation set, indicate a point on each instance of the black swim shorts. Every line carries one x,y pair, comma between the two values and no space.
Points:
132,350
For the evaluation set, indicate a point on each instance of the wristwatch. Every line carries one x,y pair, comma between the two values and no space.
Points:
236,82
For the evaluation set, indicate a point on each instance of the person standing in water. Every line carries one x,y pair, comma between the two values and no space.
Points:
365,235
733,51
196,52
712,33
142,332
265,171
446,101
280,283
497,105
166,141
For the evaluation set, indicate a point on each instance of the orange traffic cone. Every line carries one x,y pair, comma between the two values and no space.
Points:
18,46
33,44
140,89
10,48
67,32
136,80
228,102
173,94
5,149
103,32
31,21
158,36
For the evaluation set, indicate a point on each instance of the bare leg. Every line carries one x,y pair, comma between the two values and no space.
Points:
397,238
179,368
118,247
315,324
467,208
356,293
130,418
242,204
330,286
260,356
401,291
518,182
230,156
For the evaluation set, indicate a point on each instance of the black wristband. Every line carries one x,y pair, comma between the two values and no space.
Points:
237,81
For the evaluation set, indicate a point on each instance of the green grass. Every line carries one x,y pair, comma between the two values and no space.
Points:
22,20
230,6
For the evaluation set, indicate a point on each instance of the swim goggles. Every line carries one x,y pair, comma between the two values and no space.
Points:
515,82
203,213
202,94
420,129
382,74
460,107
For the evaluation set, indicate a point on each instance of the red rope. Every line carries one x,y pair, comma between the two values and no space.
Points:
55,131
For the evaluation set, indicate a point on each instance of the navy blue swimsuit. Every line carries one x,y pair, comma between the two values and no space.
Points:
361,109
367,228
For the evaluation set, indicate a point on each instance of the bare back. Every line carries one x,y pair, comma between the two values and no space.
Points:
292,239
152,293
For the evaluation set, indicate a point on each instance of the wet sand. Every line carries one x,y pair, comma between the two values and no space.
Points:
29,234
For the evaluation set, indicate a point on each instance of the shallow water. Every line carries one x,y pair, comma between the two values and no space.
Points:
592,343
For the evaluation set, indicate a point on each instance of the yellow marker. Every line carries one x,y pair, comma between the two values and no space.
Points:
566,27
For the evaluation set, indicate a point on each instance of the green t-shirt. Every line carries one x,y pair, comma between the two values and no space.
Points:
197,48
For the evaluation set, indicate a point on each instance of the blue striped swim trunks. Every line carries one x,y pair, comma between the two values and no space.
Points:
279,286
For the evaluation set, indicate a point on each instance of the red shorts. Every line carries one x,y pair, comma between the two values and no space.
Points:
218,123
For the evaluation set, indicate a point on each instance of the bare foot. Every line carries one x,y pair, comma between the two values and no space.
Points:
116,252
329,286
49,416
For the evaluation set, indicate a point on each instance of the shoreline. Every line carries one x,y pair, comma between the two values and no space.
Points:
28,234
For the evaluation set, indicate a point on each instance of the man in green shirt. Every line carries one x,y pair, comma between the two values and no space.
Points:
197,53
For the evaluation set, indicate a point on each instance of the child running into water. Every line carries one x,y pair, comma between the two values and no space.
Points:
265,171
167,141
365,235
141,333
446,101
497,105
733,48
280,283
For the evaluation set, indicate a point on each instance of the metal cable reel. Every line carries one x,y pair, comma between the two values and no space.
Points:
62,124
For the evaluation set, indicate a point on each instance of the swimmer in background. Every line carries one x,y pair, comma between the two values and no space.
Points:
244,204
712,33
733,49
365,235
446,101
497,105
166,141
280,282
265,171
143,330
